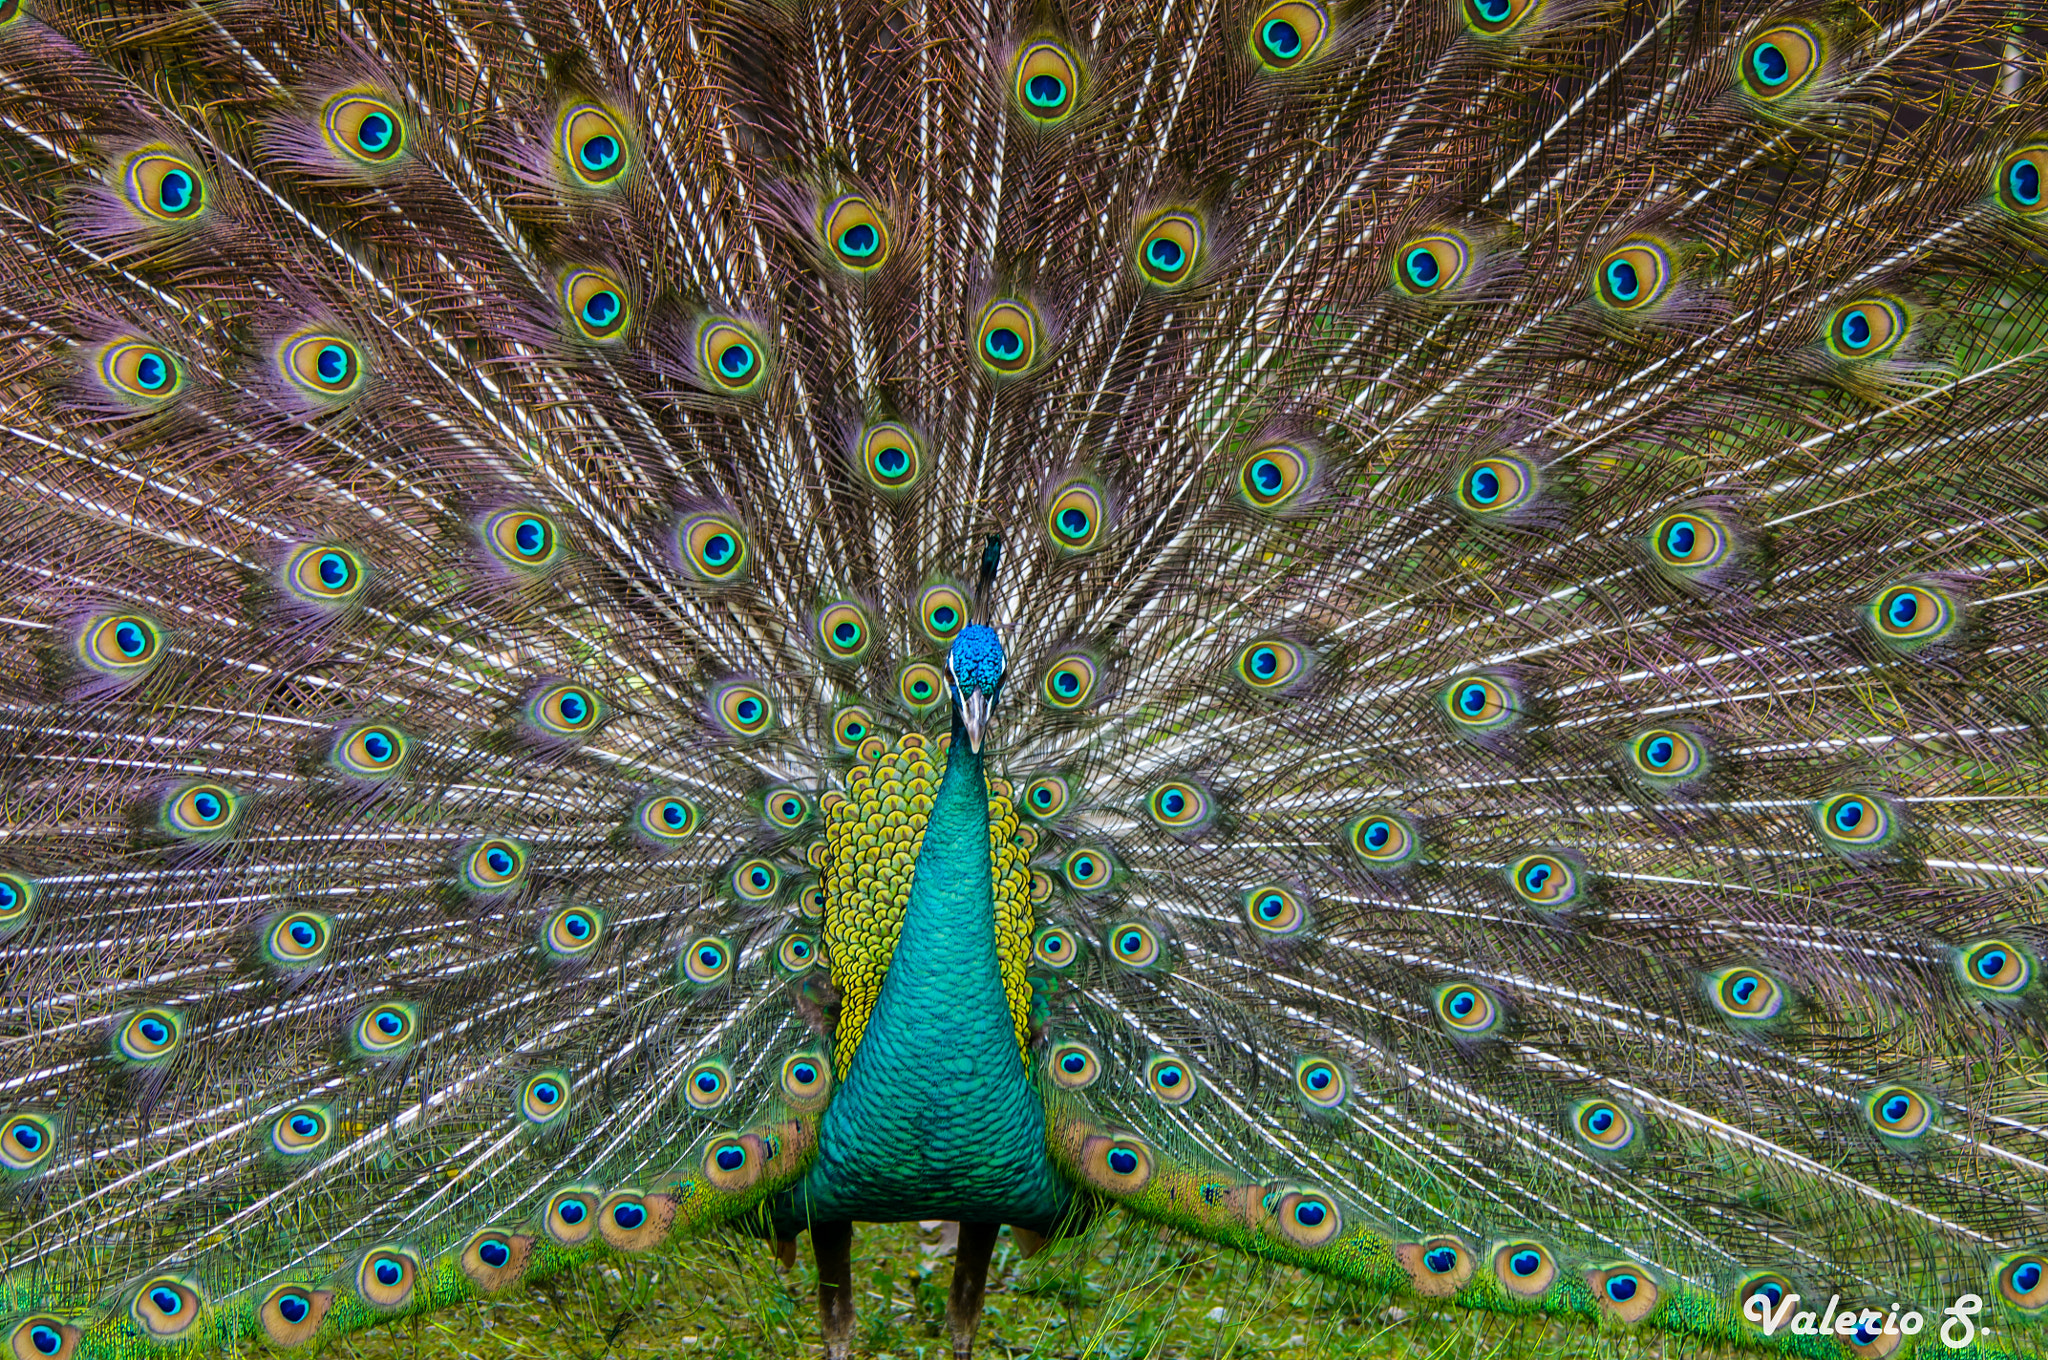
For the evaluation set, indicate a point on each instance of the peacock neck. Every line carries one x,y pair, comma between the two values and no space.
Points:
935,1116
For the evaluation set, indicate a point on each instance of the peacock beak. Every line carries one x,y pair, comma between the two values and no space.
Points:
974,711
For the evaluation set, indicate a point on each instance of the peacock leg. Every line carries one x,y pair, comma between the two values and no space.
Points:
970,1282
832,1247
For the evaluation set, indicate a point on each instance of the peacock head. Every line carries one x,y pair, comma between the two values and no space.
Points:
974,673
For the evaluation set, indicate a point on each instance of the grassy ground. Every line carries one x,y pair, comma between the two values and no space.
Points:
1124,1292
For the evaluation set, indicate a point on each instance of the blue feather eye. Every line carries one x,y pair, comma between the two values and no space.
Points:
1077,517
1547,880
705,961
1046,81
150,1037
1069,681
301,1131
708,1084
855,234
1286,35
1855,823
1178,805
1383,839
41,1337
1492,489
942,612
1525,1269
18,895
572,932
1276,911
786,809
1171,1081
1633,276
326,576
596,305
731,357
139,373
1072,1065
2017,181
664,820
1087,869
1746,997
592,144
1900,1115
1767,1286
891,457
121,647
1438,1267
166,1308
1320,1083
1995,968
1047,796
321,365
1778,62
492,866
921,686
571,1216
797,954
27,1142
1271,666
1624,1291
494,1258
1056,947
1912,615
1134,945
1867,328
1119,1163
1467,1010
1482,704
385,1278
1431,265
806,1080
851,726
631,1221
1604,1126
543,1099
291,1313
742,709
370,752
298,940
713,547
1007,337
1667,757
2022,1280
1495,18
1273,477
755,880
521,538
164,187
1168,246
199,813
1306,1218
845,632
363,128
388,1029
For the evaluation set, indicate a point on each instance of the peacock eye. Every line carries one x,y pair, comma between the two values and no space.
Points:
364,128
1046,81
591,142
165,187
594,300
1286,35
1007,337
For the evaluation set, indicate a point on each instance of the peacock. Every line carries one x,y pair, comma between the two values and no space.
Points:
1407,637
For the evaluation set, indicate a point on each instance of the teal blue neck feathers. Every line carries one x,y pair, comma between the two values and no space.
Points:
936,1117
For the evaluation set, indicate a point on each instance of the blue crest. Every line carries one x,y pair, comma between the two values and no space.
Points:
977,660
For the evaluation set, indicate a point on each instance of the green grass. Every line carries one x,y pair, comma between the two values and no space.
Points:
1122,1292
